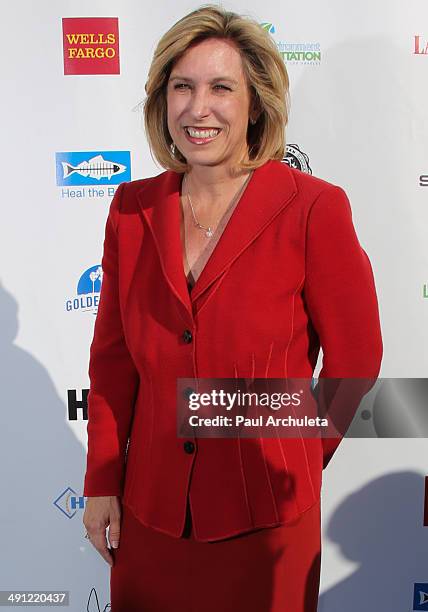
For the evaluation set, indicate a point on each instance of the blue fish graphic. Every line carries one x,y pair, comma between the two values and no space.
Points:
96,168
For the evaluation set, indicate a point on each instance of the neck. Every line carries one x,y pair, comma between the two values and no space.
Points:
213,184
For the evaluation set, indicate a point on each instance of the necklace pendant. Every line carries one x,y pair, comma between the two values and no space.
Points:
209,232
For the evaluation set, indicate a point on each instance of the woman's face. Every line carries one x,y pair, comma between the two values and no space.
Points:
207,89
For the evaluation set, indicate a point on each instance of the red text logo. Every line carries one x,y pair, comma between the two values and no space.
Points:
91,45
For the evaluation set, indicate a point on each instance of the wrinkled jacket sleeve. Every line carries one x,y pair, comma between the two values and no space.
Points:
341,298
113,376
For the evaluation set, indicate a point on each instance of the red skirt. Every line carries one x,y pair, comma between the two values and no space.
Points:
275,569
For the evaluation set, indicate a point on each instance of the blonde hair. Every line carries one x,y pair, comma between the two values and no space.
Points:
264,69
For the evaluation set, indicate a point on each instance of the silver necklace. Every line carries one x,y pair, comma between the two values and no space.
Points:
208,230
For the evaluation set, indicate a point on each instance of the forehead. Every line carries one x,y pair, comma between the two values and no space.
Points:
210,58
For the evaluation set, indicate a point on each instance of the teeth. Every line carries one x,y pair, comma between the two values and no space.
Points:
202,133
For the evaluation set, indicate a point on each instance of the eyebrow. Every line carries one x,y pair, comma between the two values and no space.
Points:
221,78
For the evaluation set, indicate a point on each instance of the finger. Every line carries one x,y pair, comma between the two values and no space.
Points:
114,534
114,528
99,541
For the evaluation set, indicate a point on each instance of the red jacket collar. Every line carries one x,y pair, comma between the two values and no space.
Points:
271,189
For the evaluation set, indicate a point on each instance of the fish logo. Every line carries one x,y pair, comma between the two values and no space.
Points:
92,168
97,168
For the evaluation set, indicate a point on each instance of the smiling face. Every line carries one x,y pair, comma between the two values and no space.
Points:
207,90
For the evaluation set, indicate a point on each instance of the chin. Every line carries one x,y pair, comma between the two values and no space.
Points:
201,155
203,162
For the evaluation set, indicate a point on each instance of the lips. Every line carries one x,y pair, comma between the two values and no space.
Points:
206,132
206,127
201,140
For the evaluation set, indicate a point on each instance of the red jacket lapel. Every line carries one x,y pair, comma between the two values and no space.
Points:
159,199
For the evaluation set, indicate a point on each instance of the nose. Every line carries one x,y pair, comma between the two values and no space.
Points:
199,103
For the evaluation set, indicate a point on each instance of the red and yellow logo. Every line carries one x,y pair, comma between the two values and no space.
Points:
91,45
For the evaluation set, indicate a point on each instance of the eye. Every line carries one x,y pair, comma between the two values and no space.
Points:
184,85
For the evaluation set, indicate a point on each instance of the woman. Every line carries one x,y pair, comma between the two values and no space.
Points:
228,264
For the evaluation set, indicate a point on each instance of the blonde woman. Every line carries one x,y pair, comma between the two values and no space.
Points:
227,264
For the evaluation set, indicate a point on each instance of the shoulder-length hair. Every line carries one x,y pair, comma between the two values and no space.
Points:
264,69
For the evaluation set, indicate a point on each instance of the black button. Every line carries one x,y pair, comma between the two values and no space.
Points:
187,336
189,447
187,392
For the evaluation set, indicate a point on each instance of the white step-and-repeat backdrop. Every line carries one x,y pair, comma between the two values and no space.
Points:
73,76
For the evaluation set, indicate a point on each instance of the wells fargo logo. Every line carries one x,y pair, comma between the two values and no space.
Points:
91,45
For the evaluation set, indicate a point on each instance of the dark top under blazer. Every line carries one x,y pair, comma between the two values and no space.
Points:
287,275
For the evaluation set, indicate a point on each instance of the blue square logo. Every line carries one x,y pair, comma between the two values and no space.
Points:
420,596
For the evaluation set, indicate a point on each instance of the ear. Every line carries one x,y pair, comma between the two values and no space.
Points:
254,116
255,107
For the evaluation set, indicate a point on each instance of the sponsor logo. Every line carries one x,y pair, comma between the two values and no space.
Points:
77,406
296,158
69,502
302,53
420,596
423,180
420,48
91,45
90,171
88,291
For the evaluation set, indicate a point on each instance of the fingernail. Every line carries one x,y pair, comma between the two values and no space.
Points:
115,544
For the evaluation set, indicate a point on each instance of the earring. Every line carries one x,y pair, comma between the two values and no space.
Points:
253,121
172,147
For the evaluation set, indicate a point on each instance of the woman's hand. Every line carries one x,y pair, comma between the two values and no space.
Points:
101,512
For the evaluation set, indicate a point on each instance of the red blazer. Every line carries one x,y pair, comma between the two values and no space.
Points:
287,275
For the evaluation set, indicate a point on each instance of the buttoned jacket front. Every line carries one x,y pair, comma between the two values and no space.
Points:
287,276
